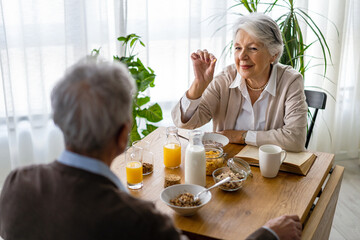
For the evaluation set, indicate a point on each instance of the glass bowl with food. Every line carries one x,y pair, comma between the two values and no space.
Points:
215,158
237,178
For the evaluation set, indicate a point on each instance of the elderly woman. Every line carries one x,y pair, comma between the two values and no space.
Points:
254,101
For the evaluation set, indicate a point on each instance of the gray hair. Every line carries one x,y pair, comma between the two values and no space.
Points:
91,103
263,28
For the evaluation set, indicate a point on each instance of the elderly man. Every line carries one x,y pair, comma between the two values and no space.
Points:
77,196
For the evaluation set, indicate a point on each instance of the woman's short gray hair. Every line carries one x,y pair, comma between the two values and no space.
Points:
91,103
263,28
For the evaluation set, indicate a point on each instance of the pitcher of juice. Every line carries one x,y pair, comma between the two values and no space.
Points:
172,148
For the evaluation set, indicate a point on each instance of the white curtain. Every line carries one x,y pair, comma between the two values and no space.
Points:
172,30
338,127
39,39
347,123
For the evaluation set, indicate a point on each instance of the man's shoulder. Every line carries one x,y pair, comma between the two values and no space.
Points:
21,174
127,211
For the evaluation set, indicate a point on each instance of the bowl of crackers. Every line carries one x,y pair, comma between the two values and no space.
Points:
180,198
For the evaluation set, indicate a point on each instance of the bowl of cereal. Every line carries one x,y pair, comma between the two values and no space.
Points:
180,198
237,178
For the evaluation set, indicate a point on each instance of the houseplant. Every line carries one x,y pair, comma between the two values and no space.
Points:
144,78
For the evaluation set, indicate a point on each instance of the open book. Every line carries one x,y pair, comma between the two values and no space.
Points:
299,163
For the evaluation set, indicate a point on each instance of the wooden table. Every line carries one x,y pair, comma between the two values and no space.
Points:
234,215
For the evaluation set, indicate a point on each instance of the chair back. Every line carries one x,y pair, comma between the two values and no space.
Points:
316,100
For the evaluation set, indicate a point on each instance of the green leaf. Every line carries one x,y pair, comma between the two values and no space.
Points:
95,52
134,135
121,39
254,7
152,114
142,101
150,69
271,6
133,41
145,82
316,30
246,5
149,128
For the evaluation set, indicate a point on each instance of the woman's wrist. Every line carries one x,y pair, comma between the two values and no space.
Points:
195,91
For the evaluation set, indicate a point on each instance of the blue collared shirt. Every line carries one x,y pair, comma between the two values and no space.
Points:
90,165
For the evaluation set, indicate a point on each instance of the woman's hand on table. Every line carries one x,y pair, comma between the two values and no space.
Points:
234,136
204,66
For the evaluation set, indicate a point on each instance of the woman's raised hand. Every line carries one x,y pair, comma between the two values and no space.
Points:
204,66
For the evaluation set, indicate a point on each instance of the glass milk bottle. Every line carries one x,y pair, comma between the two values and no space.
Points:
172,148
195,161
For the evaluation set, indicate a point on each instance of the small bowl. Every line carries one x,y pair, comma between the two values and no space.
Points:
238,164
174,191
233,185
215,138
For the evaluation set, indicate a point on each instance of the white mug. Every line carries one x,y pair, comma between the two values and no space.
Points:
270,160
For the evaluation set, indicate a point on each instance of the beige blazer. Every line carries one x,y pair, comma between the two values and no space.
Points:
286,114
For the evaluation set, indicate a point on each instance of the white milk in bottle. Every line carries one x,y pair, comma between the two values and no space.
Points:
195,161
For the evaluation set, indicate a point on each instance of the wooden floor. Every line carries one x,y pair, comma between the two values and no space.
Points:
346,224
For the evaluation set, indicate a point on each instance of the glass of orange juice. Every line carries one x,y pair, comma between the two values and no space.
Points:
172,148
134,171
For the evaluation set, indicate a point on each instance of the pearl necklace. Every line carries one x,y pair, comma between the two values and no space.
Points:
257,89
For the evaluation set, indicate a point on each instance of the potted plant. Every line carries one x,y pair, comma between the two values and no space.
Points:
144,78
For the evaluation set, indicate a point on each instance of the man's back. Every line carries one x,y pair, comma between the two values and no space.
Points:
55,201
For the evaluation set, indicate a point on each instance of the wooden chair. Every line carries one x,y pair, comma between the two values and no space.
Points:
316,100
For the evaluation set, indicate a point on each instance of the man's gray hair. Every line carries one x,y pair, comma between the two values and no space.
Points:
91,103
264,29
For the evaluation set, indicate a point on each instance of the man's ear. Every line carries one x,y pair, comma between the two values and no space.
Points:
122,137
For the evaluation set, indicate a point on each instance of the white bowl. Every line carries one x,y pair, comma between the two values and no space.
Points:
210,137
174,191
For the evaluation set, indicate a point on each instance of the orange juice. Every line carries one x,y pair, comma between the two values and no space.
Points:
134,172
172,155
